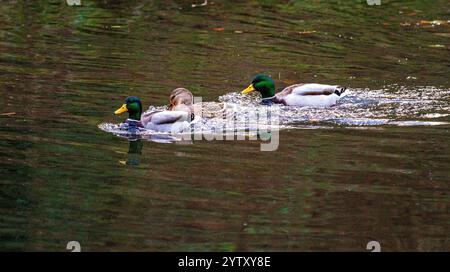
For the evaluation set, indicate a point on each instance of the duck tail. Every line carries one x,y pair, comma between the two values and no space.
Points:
340,90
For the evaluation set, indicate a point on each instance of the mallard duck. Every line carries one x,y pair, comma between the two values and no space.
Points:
175,120
307,94
182,99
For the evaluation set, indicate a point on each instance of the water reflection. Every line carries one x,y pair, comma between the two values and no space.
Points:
134,152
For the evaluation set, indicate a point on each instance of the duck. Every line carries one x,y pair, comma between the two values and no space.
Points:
175,119
302,95
182,99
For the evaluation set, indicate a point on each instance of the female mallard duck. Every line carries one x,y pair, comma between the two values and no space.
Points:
182,99
175,119
308,94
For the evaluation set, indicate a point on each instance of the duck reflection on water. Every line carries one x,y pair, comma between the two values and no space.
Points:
134,152
136,145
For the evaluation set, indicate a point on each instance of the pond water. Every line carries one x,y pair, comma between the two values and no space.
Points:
373,167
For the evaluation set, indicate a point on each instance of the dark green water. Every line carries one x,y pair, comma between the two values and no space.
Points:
64,70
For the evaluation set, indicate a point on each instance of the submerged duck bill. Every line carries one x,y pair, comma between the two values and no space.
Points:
249,89
121,110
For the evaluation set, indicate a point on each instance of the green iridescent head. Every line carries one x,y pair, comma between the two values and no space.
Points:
263,84
133,106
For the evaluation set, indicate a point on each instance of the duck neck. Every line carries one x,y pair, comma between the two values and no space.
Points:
135,116
268,92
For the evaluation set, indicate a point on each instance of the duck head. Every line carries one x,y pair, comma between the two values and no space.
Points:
181,99
263,84
133,106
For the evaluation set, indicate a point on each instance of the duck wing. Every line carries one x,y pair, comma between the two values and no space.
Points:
164,117
312,89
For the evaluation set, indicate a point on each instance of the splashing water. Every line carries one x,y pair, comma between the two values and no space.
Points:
393,105
364,107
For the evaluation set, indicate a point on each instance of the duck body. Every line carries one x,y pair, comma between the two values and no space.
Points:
167,121
310,94
176,118
302,95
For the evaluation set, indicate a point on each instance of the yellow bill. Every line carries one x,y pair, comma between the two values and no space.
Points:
248,90
121,110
